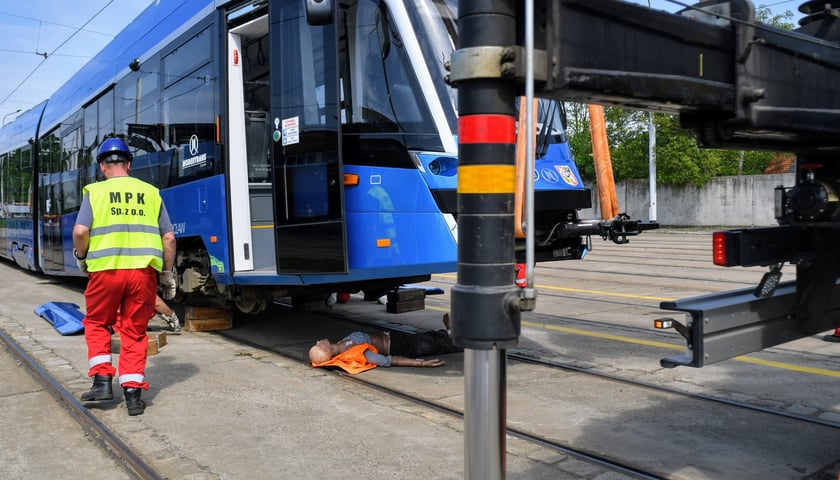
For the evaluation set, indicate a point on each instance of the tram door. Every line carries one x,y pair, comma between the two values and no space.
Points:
251,204
50,208
305,117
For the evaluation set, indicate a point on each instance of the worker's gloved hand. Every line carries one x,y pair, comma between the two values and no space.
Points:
81,262
167,285
172,320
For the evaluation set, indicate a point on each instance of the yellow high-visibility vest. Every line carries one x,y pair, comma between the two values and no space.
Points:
125,233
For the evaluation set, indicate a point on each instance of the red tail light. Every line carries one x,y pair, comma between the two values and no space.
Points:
719,249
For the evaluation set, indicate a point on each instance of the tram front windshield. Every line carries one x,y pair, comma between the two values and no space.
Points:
435,22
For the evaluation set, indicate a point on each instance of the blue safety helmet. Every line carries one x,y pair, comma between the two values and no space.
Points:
113,150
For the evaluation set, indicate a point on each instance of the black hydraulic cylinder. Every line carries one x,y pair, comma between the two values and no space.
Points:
485,313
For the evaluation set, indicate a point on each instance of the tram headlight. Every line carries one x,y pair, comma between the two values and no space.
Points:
445,166
434,167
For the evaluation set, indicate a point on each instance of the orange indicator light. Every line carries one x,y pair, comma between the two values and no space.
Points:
662,323
351,179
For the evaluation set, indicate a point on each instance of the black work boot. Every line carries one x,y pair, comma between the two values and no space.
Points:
133,402
101,389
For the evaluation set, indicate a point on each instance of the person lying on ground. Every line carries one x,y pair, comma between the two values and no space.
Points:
360,351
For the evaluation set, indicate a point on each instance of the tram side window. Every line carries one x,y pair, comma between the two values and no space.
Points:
302,76
189,103
4,188
138,111
98,125
90,135
50,151
50,173
384,94
255,66
49,180
69,178
105,117
21,168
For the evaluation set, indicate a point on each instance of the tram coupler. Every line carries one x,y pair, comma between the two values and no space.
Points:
616,229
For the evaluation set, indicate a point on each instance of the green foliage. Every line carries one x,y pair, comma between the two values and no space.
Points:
784,20
678,159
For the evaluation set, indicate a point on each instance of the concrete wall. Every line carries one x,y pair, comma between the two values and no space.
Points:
740,201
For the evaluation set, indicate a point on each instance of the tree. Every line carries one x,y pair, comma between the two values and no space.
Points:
784,20
678,159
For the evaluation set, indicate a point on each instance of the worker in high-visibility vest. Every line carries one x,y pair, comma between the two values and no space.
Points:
123,239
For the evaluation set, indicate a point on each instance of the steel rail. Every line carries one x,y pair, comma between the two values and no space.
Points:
97,430
579,454
642,384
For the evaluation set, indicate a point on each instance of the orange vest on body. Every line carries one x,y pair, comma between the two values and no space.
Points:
352,360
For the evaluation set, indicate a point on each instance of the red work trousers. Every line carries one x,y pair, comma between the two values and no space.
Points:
130,296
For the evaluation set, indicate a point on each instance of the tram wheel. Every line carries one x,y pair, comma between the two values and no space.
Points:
250,306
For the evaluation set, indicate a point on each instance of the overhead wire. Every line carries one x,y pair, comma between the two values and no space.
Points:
46,55
759,25
23,17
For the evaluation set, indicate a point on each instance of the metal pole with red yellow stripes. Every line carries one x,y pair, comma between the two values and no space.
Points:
485,300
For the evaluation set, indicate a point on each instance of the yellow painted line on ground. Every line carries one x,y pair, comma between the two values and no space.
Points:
788,366
581,290
620,338
608,336
609,294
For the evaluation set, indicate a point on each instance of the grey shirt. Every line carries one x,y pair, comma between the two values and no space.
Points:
358,338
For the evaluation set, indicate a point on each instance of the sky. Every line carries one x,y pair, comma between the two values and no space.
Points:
46,41
69,32
775,5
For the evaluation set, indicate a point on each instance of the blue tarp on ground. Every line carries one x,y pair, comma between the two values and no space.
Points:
429,290
64,316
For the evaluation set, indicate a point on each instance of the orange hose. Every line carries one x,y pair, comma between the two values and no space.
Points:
603,165
521,159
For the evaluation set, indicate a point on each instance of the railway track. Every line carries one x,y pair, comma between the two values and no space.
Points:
99,432
593,458
625,463
584,384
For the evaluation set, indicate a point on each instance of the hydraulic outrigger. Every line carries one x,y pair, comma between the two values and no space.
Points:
736,83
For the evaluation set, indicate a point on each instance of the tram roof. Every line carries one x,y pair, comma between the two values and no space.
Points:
17,133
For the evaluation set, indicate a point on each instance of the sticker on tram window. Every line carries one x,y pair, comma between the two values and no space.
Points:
291,131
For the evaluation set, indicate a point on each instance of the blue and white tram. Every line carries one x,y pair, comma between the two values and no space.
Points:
294,159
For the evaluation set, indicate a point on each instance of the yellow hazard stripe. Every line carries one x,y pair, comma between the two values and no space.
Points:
486,178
